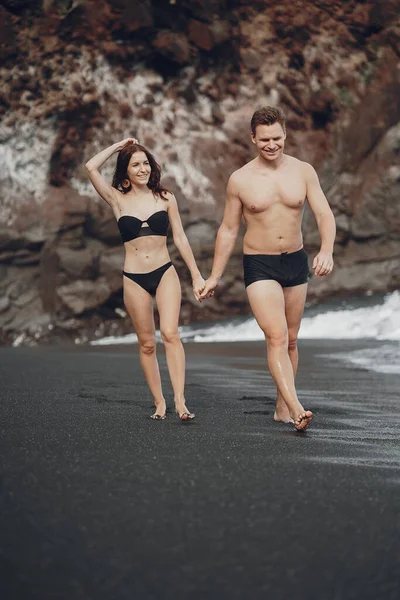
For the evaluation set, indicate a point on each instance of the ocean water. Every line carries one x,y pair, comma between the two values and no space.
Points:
376,318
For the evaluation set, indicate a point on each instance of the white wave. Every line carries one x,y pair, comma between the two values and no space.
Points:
385,359
380,322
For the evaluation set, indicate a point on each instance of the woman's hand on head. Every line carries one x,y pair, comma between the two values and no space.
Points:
126,140
198,286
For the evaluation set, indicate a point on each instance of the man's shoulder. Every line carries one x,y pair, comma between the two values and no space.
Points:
240,174
306,168
292,160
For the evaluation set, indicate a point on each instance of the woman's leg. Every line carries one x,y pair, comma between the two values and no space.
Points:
139,305
168,299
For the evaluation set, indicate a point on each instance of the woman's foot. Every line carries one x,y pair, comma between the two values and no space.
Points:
157,417
160,413
186,416
183,412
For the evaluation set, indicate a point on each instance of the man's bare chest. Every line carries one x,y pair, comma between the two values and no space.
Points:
258,193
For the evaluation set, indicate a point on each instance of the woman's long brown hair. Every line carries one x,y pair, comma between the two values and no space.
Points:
120,173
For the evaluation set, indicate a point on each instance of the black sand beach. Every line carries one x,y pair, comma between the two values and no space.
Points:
100,502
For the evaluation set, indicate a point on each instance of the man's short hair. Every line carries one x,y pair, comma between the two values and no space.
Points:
268,115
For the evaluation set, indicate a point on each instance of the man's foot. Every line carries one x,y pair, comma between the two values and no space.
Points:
282,416
303,420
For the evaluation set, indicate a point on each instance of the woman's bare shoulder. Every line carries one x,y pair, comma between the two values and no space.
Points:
168,198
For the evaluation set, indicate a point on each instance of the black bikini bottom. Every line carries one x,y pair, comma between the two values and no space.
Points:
288,269
149,281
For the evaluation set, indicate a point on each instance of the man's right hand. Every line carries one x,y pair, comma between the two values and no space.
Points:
209,288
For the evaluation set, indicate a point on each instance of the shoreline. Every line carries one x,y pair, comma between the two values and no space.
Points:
324,320
97,497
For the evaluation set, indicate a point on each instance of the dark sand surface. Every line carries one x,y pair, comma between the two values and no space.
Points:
99,502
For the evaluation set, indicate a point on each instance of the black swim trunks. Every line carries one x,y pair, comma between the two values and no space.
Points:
288,269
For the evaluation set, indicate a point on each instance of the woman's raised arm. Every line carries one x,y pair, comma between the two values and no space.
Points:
101,185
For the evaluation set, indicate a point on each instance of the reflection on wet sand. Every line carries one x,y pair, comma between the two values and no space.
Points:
357,417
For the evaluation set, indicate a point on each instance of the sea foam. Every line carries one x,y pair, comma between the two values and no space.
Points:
378,321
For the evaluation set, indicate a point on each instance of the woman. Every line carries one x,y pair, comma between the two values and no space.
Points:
143,209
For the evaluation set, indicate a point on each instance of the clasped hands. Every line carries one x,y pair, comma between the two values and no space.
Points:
204,289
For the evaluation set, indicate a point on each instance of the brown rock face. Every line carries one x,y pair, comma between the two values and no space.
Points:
174,46
185,77
81,296
208,35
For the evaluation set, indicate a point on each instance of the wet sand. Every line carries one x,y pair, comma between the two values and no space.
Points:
98,501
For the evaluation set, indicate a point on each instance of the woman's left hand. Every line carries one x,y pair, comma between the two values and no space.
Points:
198,286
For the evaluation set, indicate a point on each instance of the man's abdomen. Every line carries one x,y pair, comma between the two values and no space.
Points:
271,242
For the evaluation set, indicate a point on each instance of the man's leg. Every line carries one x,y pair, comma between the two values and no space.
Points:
295,298
268,306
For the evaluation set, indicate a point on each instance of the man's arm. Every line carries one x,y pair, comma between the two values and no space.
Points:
226,236
323,262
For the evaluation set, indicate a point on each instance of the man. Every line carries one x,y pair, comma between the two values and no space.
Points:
270,193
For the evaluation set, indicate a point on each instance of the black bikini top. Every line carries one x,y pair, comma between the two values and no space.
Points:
131,228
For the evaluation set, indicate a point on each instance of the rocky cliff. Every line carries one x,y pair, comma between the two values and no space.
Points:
184,77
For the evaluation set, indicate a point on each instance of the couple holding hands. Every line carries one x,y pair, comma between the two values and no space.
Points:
270,193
